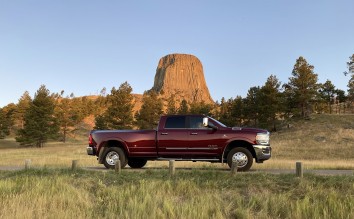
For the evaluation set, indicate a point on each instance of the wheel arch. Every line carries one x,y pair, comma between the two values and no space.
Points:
109,144
238,143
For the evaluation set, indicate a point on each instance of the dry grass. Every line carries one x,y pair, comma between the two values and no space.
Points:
324,142
58,193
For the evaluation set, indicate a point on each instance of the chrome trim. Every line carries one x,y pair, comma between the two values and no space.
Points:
89,151
263,152
208,148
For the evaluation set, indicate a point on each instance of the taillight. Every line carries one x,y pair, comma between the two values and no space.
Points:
90,142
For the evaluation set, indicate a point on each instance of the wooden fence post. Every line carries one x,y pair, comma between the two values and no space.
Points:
27,164
172,167
299,170
234,167
74,164
118,167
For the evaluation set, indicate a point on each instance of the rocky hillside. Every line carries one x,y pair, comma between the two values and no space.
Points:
182,75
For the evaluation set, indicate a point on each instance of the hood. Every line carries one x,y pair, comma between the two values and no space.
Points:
245,129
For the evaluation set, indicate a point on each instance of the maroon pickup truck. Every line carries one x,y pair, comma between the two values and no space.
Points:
181,138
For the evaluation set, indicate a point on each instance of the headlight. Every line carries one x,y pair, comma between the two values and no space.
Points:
262,138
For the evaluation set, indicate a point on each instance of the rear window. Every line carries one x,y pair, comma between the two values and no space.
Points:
175,122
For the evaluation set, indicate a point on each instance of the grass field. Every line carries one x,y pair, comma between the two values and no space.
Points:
52,190
59,193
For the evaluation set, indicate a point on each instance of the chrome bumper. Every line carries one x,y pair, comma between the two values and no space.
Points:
263,152
90,151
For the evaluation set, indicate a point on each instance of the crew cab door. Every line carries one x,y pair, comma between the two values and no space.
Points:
203,142
172,139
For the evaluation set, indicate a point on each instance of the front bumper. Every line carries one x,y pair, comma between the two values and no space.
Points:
263,152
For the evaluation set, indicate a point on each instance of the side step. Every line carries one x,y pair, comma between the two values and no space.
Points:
190,159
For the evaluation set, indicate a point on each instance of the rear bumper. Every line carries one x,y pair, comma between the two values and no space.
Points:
263,152
91,151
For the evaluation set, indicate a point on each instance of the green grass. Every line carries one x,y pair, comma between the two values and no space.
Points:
59,193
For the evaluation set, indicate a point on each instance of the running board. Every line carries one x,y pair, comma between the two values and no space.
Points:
188,159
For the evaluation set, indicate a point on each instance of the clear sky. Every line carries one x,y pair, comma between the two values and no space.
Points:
81,46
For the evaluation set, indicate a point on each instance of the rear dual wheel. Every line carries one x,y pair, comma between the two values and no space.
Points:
137,163
112,156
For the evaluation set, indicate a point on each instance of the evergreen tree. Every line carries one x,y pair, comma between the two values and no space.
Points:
340,95
183,108
151,110
237,111
40,123
224,114
304,85
21,108
351,88
4,124
119,114
171,105
270,102
327,92
252,106
201,108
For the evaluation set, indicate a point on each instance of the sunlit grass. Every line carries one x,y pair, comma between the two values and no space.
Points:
58,193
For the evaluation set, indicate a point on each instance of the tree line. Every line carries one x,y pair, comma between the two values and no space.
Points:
53,116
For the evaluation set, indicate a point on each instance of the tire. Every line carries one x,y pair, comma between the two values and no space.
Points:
137,163
112,155
243,156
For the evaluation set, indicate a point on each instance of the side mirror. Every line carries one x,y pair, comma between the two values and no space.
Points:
205,122
209,125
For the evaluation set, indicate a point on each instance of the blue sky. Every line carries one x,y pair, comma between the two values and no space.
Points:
82,46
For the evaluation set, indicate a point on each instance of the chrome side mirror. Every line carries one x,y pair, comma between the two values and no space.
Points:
205,121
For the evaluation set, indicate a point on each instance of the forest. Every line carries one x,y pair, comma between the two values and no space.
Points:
56,116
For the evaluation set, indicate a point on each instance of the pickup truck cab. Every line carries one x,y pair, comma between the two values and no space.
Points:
181,138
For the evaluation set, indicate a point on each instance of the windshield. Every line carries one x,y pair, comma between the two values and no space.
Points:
219,123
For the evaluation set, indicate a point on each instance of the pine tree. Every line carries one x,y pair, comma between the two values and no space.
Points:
151,110
183,108
225,109
119,114
40,124
270,102
4,124
201,108
327,92
22,106
171,105
237,111
304,85
252,106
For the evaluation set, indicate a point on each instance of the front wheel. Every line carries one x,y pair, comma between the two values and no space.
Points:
242,156
112,156
137,163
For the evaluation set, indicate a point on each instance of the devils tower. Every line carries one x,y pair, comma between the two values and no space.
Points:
182,75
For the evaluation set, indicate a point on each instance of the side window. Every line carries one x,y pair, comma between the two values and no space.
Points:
196,122
175,122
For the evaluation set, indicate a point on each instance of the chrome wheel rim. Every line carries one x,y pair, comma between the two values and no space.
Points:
112,157
240,158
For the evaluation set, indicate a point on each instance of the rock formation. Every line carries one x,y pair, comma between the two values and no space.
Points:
182,75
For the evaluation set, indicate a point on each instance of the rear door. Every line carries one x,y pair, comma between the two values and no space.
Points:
173,137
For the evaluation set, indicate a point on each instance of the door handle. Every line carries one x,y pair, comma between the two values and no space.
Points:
164,133
194,133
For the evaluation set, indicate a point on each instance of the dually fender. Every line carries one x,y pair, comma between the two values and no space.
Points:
112,142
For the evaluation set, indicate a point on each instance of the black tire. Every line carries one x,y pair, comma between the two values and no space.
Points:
113,154
244,157
137,163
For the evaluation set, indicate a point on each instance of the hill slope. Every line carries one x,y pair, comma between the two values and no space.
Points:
327,137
